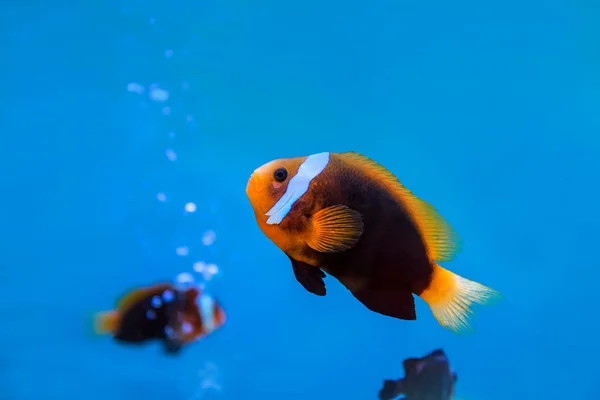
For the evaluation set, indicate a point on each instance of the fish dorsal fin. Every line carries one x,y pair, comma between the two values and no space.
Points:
441,240
131,298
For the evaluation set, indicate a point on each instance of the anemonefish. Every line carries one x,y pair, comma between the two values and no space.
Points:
175,316
344,214
426,378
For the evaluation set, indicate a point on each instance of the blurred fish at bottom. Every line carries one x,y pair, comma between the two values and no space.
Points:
427,378
174,315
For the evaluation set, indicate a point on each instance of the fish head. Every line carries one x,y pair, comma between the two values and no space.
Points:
211,312
274,187
269,182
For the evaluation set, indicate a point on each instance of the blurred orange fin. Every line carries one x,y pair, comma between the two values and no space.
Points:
106,322
441,240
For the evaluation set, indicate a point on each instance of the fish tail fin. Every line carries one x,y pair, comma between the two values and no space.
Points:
390,389
105,322
451,296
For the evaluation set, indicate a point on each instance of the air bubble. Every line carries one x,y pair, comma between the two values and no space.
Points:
199,266
158,94
134,87
190,207
186,327
209,238
168,296
171,155
184,280
156,302
182,251
150,314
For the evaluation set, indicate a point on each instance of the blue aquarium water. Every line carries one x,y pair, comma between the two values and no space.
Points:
117,114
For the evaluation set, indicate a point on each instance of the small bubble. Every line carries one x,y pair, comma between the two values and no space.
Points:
199,266
186,327
156,302
171,135
171,155
150,314
169,331
166,110
189,118
135,88
158,94
151,21
168,53
161,197
182,251
209,238
185,85
168,296
184,280
190,207
212,269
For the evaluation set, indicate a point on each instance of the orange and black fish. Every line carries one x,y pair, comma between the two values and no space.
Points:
427,378
344,214
162,312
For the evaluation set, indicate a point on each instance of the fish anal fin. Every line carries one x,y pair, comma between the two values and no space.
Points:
310,277
333,229
397,304
441,240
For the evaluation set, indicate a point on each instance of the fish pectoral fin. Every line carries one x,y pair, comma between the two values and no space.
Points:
393,303
310,277
335,228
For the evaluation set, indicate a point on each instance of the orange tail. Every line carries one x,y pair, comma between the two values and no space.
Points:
106,322
450,297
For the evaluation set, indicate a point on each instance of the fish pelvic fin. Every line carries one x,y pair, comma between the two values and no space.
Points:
451,297
106,322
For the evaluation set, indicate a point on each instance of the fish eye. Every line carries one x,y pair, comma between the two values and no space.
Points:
280,174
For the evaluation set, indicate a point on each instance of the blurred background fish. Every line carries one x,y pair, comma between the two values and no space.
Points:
174,315
426,378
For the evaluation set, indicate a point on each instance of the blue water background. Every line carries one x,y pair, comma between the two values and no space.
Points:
487,110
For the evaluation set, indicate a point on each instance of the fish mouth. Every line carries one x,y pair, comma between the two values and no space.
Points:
254,185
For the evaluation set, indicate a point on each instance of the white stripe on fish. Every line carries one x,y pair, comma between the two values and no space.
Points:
298,185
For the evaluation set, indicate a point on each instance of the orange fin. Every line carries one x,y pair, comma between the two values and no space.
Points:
106,322
451,296
441,240
335,228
